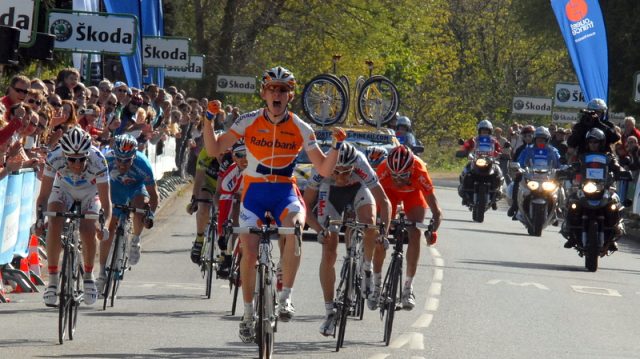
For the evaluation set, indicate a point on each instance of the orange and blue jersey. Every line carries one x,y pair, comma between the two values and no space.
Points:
412,192
272,149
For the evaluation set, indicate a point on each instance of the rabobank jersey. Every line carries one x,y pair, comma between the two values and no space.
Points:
272,148
95,170
139,174
362,172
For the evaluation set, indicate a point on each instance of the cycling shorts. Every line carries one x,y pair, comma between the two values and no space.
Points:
88,198
409,200
123,195
332,201
278,198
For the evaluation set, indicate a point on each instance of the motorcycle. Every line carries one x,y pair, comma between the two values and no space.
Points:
538,197
481,182
593,213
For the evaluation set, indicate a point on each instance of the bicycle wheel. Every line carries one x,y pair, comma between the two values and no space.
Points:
391,298
110,271
378,101
211,239
76,293
64,299
345,302
121,264
325,100
234,281
264,332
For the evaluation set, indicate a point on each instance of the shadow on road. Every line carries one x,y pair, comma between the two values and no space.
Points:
174,314
489,231
169,251
527,265
17,343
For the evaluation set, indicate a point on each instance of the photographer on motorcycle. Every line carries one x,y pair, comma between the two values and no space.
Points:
485,128
540,154
594,116
595,142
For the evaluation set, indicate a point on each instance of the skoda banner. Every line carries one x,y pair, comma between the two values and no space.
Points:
569,96
584,33
531,106
22,14
238,84
165,51
195,70
93,32
564,116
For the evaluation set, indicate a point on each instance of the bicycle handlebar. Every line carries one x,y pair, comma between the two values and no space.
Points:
131,209
72,215
260,230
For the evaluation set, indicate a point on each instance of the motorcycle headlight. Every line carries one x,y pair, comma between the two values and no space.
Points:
590,188
481,162
533,185
549,186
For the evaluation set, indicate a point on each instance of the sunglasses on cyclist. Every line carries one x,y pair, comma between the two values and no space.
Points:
280,89
403,175
124,160
76,159
22,91
344,171
240,154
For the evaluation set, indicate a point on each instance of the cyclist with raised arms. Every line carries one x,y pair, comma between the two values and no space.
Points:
132,183
406,180
354,183
273,137
74,171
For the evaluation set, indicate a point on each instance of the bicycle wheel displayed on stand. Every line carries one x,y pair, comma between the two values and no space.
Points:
325,100
377,101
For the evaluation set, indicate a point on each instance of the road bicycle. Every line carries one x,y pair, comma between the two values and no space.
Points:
265,300
71,290
234,271
392,284
208,262
118,259
350,292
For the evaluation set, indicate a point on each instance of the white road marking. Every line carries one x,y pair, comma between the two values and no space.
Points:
434,252
435,288
596,291
423,321
438,274
438,262
414,340
415,357
431,304
226,286
523,284
379,356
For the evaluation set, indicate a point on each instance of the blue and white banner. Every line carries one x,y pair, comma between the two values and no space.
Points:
583,29
11,214
26,214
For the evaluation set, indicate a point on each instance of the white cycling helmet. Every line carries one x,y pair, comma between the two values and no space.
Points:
347,155
75,142
279,75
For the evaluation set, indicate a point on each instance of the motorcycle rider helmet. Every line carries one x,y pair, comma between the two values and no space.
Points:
279,75
485,125
542,132
400,159
403,121
596,134
376,154
347,155
528,129
599,106
125,146
75,142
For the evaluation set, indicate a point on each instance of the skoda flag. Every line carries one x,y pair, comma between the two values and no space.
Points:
584,33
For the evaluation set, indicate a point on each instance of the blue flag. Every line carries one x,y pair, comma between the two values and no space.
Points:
583,29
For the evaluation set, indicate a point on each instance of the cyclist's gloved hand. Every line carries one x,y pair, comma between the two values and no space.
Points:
213,108
322,235
148,220
432,239
192,206
339,135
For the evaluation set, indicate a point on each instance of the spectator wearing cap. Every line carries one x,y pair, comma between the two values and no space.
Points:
66,82
105,87
88,117
16,92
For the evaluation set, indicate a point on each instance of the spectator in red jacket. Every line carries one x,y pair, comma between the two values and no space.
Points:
16,92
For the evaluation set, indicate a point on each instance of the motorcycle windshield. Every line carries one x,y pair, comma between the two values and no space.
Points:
484,146
540,160
595,167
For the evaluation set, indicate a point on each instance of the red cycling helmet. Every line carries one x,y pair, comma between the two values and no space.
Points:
400,159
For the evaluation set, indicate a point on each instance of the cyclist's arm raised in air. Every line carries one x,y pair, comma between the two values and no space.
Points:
216,145
325,164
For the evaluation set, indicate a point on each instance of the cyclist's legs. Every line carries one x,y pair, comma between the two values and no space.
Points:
289,261
202,216
330,245
54,230
249,244
90,205
364,203
415,209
